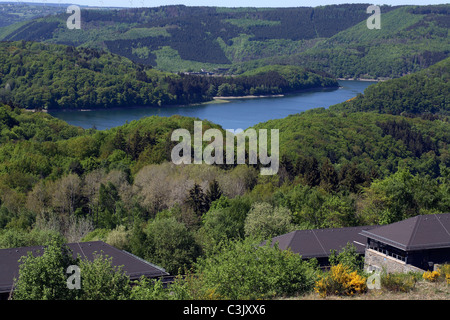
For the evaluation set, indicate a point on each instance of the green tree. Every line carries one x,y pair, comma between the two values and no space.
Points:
214,192
348,257
264,221
197,200
244,270
171,245
224,221
329,179
108,198
101,280
146,289
391,199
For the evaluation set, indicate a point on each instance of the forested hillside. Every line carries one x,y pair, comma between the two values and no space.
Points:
334,38
14,12
338,168
410,39
425,93
48,77
377,158
195,33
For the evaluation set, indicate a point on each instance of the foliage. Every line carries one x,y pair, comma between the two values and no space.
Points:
338,168
118,238
403,45
207,29
149,289
400,196
347,257
224,221
340,280
331,38
244,270
264,221
431,276
424,93
398,282
171,245
44,277
444,271
101,280
51,77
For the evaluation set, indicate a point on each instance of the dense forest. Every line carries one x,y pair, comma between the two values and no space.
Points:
378,158
11,13
331,38
43,76
338,168
410,39
424,93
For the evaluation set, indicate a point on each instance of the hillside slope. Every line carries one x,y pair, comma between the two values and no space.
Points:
196,37
398,122
48,76
423,93
411,38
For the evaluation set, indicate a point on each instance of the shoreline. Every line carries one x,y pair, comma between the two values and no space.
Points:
275,95
361,79
250,97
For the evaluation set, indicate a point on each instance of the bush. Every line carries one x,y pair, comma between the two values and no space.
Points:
146,289
101,280
445,272
245,270
99,234
118,238
441,274
264,221
431,276
171,245
340,280
44,277
347,257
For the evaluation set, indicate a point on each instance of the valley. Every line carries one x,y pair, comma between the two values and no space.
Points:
87,124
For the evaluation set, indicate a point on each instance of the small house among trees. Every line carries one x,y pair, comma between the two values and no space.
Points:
415,244
319,243
133,266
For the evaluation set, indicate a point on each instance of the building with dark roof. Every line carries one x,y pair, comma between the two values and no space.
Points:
417,243
132,265
318,243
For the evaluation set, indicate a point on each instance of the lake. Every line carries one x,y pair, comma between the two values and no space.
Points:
235,114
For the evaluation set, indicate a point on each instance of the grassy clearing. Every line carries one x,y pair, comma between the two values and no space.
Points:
423,290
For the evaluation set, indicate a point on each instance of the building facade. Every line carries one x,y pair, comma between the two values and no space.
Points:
415,244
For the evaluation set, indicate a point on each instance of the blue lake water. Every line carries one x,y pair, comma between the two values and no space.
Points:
236,114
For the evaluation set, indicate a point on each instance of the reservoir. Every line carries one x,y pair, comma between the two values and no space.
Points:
230,114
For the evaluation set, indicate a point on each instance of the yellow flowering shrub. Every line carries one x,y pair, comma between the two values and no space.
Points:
441,274
340,280
445,272
431,276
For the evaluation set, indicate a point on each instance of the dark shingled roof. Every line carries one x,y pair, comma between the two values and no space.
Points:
429,231
318,243
133,266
